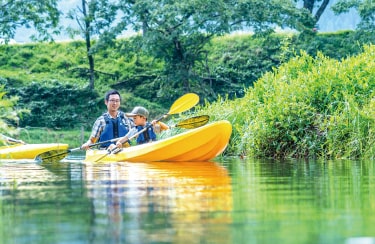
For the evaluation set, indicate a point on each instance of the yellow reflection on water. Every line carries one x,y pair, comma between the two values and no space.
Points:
184,193
188,186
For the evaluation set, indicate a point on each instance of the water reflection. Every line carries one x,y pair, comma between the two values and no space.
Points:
303,201
234,201
157,201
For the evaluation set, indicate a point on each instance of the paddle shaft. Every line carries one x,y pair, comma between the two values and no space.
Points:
146,128
187,123
193,122
190,123
182,104
133,136
9,139
62,155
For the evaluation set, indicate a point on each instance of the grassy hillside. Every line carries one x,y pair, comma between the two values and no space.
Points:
51,78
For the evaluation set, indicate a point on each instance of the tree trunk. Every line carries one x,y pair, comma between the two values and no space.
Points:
309,5
88,47
321,9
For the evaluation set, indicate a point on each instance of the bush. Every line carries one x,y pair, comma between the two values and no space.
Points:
58,105
309,107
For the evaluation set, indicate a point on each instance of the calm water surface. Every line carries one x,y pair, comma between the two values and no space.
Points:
224,201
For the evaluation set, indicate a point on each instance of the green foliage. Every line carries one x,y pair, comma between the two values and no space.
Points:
335,45
181,42
42,15
237,61
57,105
309,107
96,19
75,138
227,109
232,63
365,9
9,115
130,101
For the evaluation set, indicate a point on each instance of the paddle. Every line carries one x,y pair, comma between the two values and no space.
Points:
190,123
12,140
57,155
182,104
193,122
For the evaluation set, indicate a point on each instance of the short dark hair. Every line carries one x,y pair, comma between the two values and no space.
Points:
111,92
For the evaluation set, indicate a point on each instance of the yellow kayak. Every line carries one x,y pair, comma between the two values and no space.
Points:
29,151
200,144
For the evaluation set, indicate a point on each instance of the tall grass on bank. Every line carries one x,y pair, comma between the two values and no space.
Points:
75,138
308,107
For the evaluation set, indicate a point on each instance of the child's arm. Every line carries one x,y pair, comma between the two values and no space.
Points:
125,138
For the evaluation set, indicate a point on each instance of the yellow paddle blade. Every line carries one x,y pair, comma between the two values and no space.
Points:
184,103
193,122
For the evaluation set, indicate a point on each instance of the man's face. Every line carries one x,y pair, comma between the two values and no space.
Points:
113,103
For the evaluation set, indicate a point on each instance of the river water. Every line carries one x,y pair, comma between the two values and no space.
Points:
228,200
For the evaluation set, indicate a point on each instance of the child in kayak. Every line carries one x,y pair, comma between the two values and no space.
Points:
143,131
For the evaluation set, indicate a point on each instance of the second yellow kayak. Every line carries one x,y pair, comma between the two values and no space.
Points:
29,151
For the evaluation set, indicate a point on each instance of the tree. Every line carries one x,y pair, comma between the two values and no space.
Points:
41,15
95,19
365,9
177,31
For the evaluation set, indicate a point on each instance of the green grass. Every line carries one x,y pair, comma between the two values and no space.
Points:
75,138
309,107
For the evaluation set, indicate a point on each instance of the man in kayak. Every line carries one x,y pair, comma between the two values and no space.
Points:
144,131
111,124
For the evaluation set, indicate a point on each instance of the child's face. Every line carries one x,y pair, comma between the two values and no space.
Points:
139,120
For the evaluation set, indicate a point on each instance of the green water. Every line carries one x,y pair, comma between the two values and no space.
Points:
228,201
